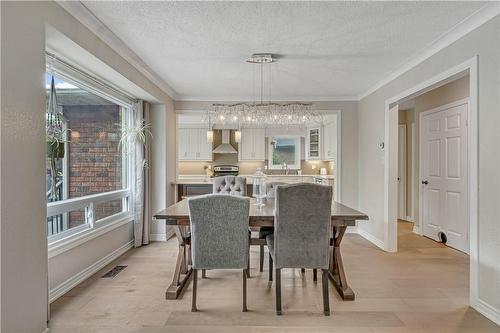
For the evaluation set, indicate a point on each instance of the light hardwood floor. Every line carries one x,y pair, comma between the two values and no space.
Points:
422,288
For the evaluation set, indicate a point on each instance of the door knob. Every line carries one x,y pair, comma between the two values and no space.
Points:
425,182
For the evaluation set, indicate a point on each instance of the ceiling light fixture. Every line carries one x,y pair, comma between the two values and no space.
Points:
264,114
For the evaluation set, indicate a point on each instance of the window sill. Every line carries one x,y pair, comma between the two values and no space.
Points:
60,246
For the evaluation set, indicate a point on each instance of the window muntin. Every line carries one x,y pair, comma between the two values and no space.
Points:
94,164
283,150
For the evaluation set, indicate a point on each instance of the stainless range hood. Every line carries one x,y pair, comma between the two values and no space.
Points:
225,147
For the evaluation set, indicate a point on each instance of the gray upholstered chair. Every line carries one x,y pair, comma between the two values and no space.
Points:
265,231
232,185
229,185
301,237
219,235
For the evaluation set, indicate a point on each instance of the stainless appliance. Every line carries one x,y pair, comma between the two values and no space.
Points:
226,170
225,147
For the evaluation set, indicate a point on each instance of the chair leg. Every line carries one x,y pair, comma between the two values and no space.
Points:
261,266
203,273
195,284
278,291
270,268
248,260
315,275
245,291
326,299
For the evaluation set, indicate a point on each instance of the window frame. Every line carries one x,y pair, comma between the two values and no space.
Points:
298,152
67,239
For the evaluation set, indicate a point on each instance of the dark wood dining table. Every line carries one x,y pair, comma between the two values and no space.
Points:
177,215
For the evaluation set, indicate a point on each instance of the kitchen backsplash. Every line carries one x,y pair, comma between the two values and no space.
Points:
246,168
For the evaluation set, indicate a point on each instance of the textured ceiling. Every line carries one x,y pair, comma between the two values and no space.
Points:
328,49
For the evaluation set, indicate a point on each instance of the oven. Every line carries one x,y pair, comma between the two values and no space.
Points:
226,170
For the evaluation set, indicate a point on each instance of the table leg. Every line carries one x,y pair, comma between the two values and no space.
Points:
336,269
182,273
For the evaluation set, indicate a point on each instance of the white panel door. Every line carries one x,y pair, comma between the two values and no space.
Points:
444,175
402,172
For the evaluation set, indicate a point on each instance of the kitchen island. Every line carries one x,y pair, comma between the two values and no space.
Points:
191,185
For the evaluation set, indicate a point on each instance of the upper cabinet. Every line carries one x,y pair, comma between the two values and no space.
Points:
313,143
252,146
330,139
192,145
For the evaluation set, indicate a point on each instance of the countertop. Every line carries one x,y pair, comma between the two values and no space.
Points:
202,179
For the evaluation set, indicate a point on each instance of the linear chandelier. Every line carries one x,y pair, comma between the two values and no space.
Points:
264,114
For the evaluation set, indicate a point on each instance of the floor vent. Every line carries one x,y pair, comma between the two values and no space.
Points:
114,272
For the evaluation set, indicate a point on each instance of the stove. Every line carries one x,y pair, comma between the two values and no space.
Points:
226,170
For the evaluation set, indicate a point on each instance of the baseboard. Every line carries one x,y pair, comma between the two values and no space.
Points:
158,237
163,237
371,238
352,230
488,311
87,272
416,230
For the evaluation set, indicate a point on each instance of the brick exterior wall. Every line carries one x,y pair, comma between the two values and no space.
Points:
95,163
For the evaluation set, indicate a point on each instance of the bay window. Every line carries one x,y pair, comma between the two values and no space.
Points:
92,187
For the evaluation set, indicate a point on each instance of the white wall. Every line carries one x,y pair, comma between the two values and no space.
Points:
24,265
65,266
163,166
22,142
349,138
484,42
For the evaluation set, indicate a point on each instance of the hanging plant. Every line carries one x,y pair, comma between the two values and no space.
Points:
55,137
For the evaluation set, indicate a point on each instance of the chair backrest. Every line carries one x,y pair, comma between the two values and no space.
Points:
219,231
271,188
231,185
302,225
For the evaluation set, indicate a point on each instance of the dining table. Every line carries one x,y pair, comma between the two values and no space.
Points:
177,215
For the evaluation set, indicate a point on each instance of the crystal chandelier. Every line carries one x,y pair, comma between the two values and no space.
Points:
264,114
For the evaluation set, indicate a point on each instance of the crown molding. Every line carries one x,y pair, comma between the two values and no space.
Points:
187,98
88,19
470,23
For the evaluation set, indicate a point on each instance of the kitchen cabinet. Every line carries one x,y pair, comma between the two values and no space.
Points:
253,145
192,145
330,139
313,143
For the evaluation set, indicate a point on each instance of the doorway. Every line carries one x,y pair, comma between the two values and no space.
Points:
432,163
444,174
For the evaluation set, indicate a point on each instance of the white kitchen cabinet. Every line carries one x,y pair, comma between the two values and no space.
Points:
192,145
313,144
330,139
253,145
